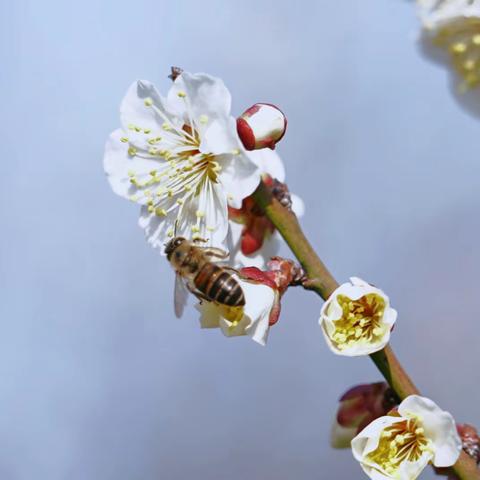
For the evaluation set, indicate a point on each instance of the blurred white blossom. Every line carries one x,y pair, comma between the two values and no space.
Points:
454,25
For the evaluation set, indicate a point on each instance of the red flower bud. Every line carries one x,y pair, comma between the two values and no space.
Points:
261,126
359,406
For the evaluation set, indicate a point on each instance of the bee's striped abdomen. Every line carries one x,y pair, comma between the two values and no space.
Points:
219,285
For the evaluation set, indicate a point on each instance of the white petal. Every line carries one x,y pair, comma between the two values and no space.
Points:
118,164
269,162
368,439
209,316
205,96
439,427
239,177
211,203
259,301
206,211
135,112
298,206
436,14
220,137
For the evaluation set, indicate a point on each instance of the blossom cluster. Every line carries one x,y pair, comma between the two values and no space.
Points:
193,169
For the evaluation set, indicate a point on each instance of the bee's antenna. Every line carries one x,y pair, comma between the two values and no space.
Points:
175,228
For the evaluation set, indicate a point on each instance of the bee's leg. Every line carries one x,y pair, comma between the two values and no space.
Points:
200,240
197,293
215,252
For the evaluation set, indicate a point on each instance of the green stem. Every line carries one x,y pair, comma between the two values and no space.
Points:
322,282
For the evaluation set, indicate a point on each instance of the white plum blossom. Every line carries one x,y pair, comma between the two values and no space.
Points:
252,319
180,157
357,319
400,445
454,25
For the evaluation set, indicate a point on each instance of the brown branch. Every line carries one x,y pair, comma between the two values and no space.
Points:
322,282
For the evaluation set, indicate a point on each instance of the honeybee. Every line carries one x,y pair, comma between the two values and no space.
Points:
196,270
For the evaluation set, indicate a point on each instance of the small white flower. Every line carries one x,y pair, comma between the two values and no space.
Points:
400,446
252,319
455,26
181,159
357,319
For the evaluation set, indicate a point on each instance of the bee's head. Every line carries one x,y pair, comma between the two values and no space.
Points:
172,245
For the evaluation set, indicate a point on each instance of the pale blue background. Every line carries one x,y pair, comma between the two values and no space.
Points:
98,380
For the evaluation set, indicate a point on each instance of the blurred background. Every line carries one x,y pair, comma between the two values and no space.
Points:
99,381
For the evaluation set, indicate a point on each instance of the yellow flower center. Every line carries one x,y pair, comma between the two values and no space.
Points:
402,441
361,320
232,314
462,38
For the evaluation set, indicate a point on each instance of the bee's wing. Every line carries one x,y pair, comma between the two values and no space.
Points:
180,296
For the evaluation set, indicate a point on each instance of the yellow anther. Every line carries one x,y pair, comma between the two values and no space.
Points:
160,212
419,431
469,65
377,331
153,173
133,198
210,229
358,332
131,173
399,439
131,126
147,193
199,214
160,191
235,151
153,141
146,131
124,139
196,236
170,232
191,160
150,209
152,151
203,119
459,47
195,229
148,102
133,181
180,201
181,94
138,129
132,151
166,126
188,187
170,192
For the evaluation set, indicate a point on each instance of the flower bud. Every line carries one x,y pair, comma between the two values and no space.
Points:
261,126
359,406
